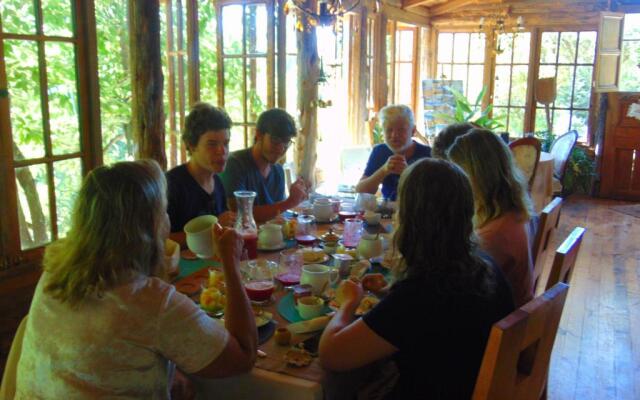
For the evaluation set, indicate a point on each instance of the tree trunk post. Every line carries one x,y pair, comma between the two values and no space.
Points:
147,112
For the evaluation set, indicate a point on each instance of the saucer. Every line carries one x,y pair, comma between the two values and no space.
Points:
279,246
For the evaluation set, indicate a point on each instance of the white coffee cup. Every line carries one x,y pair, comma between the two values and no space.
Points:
199,233
310,307
370,246
270,235
323,209
319,277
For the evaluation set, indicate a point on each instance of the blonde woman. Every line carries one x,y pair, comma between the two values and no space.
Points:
102,324
389,159
502,206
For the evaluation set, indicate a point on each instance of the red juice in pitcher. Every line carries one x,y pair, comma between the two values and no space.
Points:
251,244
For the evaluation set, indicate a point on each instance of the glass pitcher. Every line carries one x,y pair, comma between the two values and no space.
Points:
245,224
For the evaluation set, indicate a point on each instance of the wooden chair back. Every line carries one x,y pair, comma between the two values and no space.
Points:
565,258
516,359
549,219
526,153
8,385
561,151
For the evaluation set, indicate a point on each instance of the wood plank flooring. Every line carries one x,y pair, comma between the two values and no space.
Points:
597,350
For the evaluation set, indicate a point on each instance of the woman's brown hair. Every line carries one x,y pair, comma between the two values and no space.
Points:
115,231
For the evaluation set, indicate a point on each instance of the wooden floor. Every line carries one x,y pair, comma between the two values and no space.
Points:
597,350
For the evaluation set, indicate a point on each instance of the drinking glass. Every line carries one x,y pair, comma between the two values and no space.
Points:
306,230
291,262
258,280
352,232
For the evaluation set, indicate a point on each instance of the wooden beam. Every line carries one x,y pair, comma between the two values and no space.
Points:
455,5
147,113
398,14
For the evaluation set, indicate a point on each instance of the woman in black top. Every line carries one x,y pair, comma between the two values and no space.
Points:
435,322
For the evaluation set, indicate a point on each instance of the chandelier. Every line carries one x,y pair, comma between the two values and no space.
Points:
325,13
498,24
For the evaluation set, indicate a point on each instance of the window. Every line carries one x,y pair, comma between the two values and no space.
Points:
402,46
466,63
510,81
112,33
39,64
630,68
246,62
568,56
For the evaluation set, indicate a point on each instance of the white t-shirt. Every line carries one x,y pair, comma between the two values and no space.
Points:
122,345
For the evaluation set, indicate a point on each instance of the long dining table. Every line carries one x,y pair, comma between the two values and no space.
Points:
272,377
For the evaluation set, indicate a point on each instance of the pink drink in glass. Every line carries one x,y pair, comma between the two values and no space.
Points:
259,291
251,244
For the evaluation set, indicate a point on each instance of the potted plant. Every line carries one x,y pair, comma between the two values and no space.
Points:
465,111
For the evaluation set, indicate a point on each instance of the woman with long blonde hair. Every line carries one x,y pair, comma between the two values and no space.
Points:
502,206
103,324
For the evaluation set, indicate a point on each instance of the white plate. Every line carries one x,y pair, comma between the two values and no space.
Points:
261,320
280,246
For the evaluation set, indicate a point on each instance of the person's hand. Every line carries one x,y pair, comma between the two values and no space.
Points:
227,218
374,282
228,243
349,293
395,164
298,192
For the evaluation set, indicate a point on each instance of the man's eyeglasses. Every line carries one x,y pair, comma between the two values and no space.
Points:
281,141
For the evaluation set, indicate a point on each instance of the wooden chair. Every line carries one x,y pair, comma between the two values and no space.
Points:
516,360
561,151
549,219
526,152
8,385
565,258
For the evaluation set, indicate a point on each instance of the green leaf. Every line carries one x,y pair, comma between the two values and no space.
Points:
480,96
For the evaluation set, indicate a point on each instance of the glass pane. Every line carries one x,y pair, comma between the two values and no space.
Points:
501,85
236,141
564,84
580,122
547,71
475,81
505,43
500,114
541,120
257,87
628,70
17,16
233,88
63,102
561,121
445,71
477,48
521,48
33,206
208,51
632,26
256,26
404,46
292,85
56,15
587,47
519,77
549,47
292,45
115,83
582,89
445,47
21,58
404,83
460,74
516,121
67,177
232,29
568,42
461,47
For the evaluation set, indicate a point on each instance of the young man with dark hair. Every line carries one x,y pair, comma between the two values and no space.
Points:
257,168
194,188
